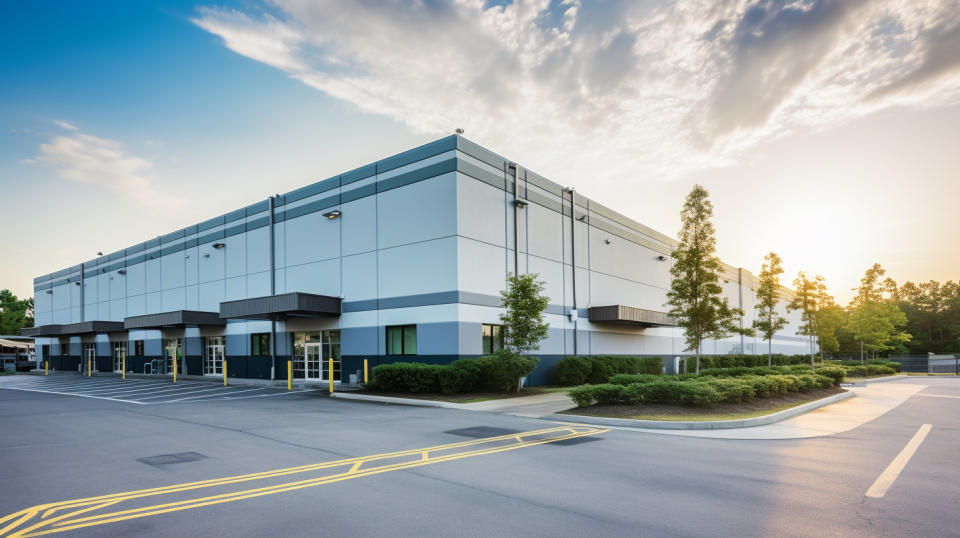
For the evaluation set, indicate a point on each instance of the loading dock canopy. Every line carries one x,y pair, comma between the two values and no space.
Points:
176,318
296,304
629,314
71,329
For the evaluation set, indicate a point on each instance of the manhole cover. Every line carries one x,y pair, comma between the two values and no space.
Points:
479,432
169,459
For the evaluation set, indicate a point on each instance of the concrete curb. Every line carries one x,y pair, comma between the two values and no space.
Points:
704,424
865,382
395,400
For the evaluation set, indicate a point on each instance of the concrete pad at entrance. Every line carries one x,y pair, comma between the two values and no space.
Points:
871,402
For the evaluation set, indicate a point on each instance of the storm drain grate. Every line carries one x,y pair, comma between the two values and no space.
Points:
479,432
170,459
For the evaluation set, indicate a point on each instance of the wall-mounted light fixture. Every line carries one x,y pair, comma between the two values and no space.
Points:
218,245
186,256
521,203
206,254
582,218
77,283
607,241
330,215
99,253
49,292
662,258
122,272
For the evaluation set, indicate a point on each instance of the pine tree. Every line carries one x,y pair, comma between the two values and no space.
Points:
768,321
695,296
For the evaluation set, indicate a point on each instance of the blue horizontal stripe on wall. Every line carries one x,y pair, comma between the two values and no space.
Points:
358,173
417,154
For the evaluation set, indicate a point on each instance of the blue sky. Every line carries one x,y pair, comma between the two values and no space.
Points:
125,120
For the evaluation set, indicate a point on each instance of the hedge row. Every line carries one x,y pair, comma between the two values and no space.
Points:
703,391
494,373
731,361
869,370
577,370
871,362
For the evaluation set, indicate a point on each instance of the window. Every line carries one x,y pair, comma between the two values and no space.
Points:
402,340
260,344
138,348
492,338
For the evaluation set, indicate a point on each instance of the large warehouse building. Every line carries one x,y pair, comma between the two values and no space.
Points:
401,259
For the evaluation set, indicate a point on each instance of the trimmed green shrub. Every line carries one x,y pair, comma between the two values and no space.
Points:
406,377
834,373
573,370
576,370
731,389
869,370
496,373
627,379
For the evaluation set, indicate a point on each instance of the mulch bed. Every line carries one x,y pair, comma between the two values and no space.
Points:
728,408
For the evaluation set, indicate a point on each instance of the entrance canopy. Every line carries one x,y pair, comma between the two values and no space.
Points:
286,305
176,318
630,315
71,329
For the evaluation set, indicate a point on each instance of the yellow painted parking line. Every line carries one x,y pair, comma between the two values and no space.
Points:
79,513
938,396
890,474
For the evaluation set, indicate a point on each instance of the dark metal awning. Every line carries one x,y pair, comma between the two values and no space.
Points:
296,304
84,327
176,318
628,314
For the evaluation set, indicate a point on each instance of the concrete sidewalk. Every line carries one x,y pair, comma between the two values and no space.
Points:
871,402
537,406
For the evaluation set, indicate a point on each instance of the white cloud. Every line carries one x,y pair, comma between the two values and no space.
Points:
66,125
101,162
651,92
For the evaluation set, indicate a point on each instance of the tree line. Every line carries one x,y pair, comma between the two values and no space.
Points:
15,313
883,318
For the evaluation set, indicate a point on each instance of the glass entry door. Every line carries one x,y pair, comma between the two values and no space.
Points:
173,351
90,357
213,358
312,352
313,362
119,354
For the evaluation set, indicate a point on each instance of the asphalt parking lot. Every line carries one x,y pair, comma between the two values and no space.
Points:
303,464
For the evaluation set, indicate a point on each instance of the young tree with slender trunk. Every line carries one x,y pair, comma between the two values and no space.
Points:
524,304
695,297
809,297
768,321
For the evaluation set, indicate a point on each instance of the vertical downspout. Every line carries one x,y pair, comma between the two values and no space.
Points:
82,302
516,233
740,290
273,291
573,264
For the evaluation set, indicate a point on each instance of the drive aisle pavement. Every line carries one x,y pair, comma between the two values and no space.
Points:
136,390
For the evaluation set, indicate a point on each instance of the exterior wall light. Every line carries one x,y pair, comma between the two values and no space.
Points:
607,241
520,203
330,215
122,272
206,254
218,245
662,258
49,292
77,283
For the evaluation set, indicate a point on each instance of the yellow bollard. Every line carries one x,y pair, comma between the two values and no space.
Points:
289,375
330,375
224,372
89,368
366,377
46,367
174,370
123,366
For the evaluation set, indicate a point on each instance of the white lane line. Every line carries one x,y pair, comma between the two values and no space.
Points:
78,395
266,395
163,393
938,396
890,474
212,396
219,389
153,386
